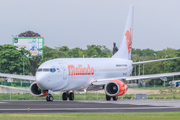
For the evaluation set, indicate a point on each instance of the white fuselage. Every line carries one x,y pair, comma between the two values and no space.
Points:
76,74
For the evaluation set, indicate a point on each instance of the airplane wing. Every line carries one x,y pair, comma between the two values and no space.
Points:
24,77
144,62
141,77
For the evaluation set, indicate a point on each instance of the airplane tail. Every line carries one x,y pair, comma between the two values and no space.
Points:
126,44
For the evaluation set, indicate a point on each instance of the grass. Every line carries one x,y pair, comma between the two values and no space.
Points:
167,92
93,116
89,96
28,96
86,96
157,88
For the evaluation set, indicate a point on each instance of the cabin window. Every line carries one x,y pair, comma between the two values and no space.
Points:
39,70
45,70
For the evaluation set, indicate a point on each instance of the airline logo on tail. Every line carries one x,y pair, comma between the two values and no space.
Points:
128,40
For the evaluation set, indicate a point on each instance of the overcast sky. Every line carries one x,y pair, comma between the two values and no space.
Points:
78,23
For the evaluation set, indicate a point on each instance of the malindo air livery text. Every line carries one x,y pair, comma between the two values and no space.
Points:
80,70
84,74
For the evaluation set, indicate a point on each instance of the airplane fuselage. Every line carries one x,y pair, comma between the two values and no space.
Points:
76,74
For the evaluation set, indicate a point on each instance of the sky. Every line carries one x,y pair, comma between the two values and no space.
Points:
78,23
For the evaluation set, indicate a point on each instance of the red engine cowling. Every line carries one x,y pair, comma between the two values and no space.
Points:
116,88
36,91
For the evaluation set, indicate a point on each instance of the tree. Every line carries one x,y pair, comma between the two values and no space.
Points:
11,60
35,62
29,34
76,53
99,51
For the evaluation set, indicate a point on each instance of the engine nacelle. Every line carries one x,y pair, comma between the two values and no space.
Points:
36,91
115,88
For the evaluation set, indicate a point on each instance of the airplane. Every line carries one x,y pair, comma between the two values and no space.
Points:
84,74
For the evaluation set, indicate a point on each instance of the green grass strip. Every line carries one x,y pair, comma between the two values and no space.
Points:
93,116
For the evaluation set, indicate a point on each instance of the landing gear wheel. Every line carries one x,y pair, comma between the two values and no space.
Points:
71,96
47,98
108,98
64,96
115,98
51,98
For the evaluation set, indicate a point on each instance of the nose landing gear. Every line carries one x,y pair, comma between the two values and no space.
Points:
49,98
67,95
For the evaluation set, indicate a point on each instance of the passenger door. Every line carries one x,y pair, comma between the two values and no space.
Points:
63,71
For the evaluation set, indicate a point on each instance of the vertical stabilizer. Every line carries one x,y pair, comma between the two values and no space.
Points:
126,44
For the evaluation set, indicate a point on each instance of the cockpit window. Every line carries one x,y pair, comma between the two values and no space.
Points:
39,70
46,69
53,70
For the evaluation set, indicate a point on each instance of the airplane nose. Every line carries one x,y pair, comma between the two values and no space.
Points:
41,81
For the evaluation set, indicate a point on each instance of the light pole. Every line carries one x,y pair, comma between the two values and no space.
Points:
155,54
143,69
165,68
165,64
23,64
139,68
166,56
23,67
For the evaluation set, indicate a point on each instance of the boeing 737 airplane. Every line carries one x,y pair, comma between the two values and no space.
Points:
84,74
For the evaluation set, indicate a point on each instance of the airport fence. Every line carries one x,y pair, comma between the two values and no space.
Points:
15,84
25,84
87,96
145,86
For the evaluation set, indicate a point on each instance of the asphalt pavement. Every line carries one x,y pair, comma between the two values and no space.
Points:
89,106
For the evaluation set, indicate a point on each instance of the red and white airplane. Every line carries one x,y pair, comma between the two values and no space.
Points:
83,74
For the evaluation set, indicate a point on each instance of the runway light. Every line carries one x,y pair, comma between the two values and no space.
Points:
85,90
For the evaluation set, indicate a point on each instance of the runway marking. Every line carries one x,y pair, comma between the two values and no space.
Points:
3,102
45,109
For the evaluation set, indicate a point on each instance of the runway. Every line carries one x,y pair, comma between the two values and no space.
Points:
89,106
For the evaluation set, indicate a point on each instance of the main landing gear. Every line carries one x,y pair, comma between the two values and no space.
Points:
49,98
108,98
67,95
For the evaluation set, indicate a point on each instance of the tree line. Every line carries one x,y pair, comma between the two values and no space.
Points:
11,59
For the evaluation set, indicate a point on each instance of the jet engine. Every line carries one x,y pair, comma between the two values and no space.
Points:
115,88
36,91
